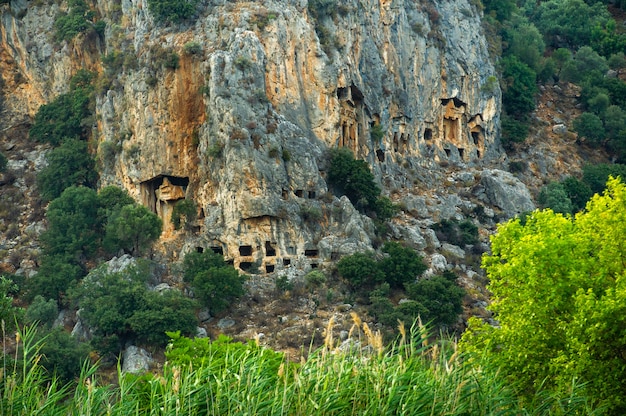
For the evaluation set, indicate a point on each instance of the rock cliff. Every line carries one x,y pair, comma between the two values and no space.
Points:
236,108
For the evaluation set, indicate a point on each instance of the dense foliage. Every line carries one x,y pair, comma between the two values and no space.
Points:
559,291
174,11
67,116
215,283
120,308
353,178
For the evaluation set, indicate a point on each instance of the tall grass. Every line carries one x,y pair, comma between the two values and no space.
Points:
360,377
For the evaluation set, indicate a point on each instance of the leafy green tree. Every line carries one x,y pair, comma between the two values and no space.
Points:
174,11
577,191
590,127
120,308
63,355
42,311
66,116
72,224
559,295
596,176
554,196
401,265
69,164
353,178
360,270
133,228
518,87
569,23
111,199
440,299
513,130
56,275
523,40
585,62
78,20
214,282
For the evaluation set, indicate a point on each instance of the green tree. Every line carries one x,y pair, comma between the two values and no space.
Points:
184,208
518,87
214,282
353,178
590,127
441,299
78,20
55,276
569,23
559,295
72,224
63,355
69,164
596,176
174,11
585,62
67,116
133,228
42,311
554,196
111,199
360,270
577,191
120,308
401,264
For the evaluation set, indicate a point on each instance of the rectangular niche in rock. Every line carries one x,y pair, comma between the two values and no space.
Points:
311,252
245,250
269,250
160,194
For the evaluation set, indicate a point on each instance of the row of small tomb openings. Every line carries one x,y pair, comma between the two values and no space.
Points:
246,250
300,193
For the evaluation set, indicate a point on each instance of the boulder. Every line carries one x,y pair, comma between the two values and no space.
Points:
505,191
136,360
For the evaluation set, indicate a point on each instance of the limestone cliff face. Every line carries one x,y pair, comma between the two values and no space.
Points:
242,123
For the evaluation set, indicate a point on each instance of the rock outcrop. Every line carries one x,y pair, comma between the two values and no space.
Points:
241,123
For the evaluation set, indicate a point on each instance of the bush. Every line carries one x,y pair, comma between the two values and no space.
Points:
360,270
555,197
353,178
78,20
401,265
62,355
596,176
513,130
192,48
41,311
518,87
120,308
577,191
174,11
69,164
214,282
65,117
55,276
134,228
440,299
184,208
590,127
315,278
458,233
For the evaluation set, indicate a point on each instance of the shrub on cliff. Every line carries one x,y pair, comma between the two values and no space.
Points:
215,283
174,11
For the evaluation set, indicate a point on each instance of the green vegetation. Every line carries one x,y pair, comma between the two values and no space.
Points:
353,178
415,375
560,297
9,314
186,209
78,20
66,117
69,164
120,308
132,229
192,48
172,11
459,233
215,283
